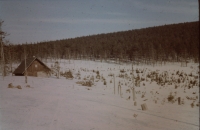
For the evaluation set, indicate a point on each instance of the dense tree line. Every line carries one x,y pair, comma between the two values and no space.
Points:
174,42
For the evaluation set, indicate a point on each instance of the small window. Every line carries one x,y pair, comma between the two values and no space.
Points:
35,66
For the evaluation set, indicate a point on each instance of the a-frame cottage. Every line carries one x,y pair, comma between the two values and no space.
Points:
34,67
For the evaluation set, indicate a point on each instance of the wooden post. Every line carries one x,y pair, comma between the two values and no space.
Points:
144,107
179,100
133,88
58,72
118,87
114,82
133,91
10,57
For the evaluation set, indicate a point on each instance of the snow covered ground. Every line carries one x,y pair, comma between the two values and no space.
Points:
63,104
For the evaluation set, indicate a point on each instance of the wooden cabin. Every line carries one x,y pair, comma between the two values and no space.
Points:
34,67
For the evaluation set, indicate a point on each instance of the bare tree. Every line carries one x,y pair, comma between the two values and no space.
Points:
2,35
8,57
25,64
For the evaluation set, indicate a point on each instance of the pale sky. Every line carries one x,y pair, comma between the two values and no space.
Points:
45,20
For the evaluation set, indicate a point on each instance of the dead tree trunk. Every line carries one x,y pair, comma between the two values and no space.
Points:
2,54
25,65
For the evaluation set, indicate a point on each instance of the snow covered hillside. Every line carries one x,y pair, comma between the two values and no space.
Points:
99,97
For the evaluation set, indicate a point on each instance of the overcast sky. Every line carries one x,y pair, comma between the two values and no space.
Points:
39,20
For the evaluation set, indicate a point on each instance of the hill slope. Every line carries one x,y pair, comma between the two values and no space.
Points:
167,42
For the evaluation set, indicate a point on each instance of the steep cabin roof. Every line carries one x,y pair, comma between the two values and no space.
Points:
21,68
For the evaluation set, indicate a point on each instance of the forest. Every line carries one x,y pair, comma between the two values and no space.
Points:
171,43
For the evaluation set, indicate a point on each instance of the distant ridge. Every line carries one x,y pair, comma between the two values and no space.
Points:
173,42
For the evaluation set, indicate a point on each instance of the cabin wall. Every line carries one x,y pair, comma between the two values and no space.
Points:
19,75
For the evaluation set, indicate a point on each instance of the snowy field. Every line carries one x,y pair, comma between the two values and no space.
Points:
72,104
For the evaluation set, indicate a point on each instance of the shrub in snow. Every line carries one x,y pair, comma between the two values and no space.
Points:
98,76
61,73
28,86
104,82
68,75
122,71
111,81
10,85
84,78
92,78
192,104
121,75
88,83
102,78
179,81
80,82
78,74
110,74
128,98
135,115
19,87
170,98
142,79
194,93
142,96
190,75
97,80
196,77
